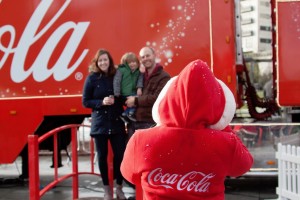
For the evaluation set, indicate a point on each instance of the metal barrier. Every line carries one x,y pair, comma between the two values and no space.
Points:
288,172
33,153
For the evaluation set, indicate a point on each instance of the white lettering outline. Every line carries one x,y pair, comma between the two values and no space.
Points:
191,181
39,68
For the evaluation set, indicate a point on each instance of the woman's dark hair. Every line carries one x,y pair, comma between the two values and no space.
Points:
94,63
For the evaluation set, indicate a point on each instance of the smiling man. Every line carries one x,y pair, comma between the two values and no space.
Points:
155,79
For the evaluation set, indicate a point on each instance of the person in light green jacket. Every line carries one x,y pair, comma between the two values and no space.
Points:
128,81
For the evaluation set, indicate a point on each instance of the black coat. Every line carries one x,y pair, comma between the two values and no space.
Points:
105,119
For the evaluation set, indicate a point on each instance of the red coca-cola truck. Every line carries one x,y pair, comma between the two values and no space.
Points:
46,47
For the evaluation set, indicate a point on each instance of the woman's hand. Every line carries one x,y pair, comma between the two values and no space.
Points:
108,100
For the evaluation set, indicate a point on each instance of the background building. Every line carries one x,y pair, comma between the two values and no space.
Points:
256,31
256,26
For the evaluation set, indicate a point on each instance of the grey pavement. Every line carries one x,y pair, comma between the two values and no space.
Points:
90,187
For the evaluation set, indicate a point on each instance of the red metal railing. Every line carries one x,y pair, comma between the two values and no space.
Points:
33,150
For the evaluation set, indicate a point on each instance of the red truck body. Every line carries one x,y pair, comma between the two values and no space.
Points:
46,47
288,54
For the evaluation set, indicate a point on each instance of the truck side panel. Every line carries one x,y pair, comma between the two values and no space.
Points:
45,51
288,54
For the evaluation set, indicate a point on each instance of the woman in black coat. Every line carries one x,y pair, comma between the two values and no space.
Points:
106,124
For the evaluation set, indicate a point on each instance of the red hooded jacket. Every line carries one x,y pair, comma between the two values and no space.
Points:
189,153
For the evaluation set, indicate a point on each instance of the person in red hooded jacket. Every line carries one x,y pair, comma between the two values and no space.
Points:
192,150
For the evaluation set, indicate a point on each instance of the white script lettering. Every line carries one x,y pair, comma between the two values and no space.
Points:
191,181
40,69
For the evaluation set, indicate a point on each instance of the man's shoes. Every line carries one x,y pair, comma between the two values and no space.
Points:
58,165
23,178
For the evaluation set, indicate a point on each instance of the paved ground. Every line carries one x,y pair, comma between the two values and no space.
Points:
90,186
251,189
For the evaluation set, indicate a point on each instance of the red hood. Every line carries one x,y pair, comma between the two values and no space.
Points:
194,99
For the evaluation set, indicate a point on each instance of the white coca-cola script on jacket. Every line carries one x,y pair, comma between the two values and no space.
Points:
191,181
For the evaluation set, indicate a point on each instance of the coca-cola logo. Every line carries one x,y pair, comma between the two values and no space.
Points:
40,70
191,181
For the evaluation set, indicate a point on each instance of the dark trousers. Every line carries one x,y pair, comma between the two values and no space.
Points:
118,144
131,128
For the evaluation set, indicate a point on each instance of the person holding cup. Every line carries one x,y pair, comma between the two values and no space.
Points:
106,125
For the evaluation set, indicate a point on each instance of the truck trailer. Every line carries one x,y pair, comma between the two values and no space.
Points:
46,47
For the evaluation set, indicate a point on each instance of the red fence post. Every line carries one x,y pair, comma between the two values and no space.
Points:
92,150
74,162
110,167
55,154
33,156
